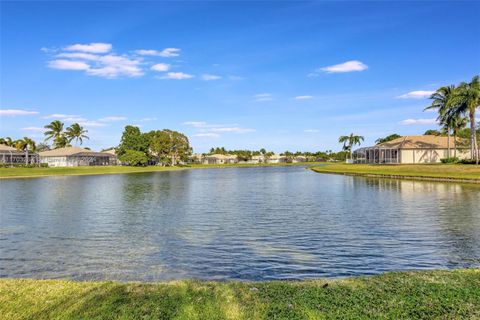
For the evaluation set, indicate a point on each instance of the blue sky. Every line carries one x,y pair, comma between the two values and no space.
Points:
280,75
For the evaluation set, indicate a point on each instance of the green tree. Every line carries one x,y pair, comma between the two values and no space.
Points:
432,132
76,132
134,158
7,141
466,100
54,130
349,142
169,146
26,144
132,139
388,138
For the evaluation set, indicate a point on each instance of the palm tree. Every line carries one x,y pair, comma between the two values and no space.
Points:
457,123
466,100
75,131
442,100
7,141
61,142
349,142
26,144
54,130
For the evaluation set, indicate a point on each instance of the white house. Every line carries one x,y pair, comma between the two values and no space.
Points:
74,157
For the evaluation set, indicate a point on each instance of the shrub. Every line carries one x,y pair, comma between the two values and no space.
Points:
467,161
134,158
449,160
23,165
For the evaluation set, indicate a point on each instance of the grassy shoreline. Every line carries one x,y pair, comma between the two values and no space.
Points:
14,173
408,295
434,172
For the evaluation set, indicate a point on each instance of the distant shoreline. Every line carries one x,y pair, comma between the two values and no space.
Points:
27,173
427,172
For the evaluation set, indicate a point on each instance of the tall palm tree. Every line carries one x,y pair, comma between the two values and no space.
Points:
466,100
61,141
26,144
54,130
457,123
75,131
442,100
349,142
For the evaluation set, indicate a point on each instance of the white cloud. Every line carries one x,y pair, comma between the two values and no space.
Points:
419,94
68,65
88,123
112,118
210,77
147,119
196,124
161,67
167,53
232,129
311,130
16,112
34,129
303,97
263,97
207,135
418,121
91,47
112,66
177,76
348,66
236,78
59,116
78,55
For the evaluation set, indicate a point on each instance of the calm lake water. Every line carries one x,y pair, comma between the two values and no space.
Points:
255,223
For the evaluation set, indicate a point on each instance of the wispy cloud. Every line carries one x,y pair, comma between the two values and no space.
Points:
207,135
418,121
166,53
65,117
16,112
210,77
33,129
235,78
160,67
303,97
196,124
419,94
92,123
232,129
91,47
113,118
311,130
147,119
263,97
207,129
348,66
177,76
68,65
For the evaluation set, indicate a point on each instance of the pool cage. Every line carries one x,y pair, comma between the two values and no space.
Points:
10,157
377,155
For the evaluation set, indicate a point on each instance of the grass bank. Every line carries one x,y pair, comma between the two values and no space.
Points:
45,172
400,295
444,172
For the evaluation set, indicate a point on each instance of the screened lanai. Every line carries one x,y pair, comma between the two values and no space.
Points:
376,155
12,156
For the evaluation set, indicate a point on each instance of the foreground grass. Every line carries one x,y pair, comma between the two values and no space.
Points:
42,172
436,171
403,295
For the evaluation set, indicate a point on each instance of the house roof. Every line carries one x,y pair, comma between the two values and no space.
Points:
276,156
70,151
418,142
7,148
222,156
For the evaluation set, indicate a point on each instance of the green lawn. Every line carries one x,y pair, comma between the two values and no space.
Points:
438,171
403,295
39,172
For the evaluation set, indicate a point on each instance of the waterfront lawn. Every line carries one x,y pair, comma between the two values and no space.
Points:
400,295
439,171
91,170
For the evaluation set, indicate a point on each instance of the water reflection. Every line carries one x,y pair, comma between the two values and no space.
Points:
244,223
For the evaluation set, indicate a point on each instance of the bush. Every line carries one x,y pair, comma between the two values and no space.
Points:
449,160
467,161
23,165
134,158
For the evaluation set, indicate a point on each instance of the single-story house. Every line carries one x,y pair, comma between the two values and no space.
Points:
10,155
113,160
276,159
298,159
411,149
74,157
219,159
